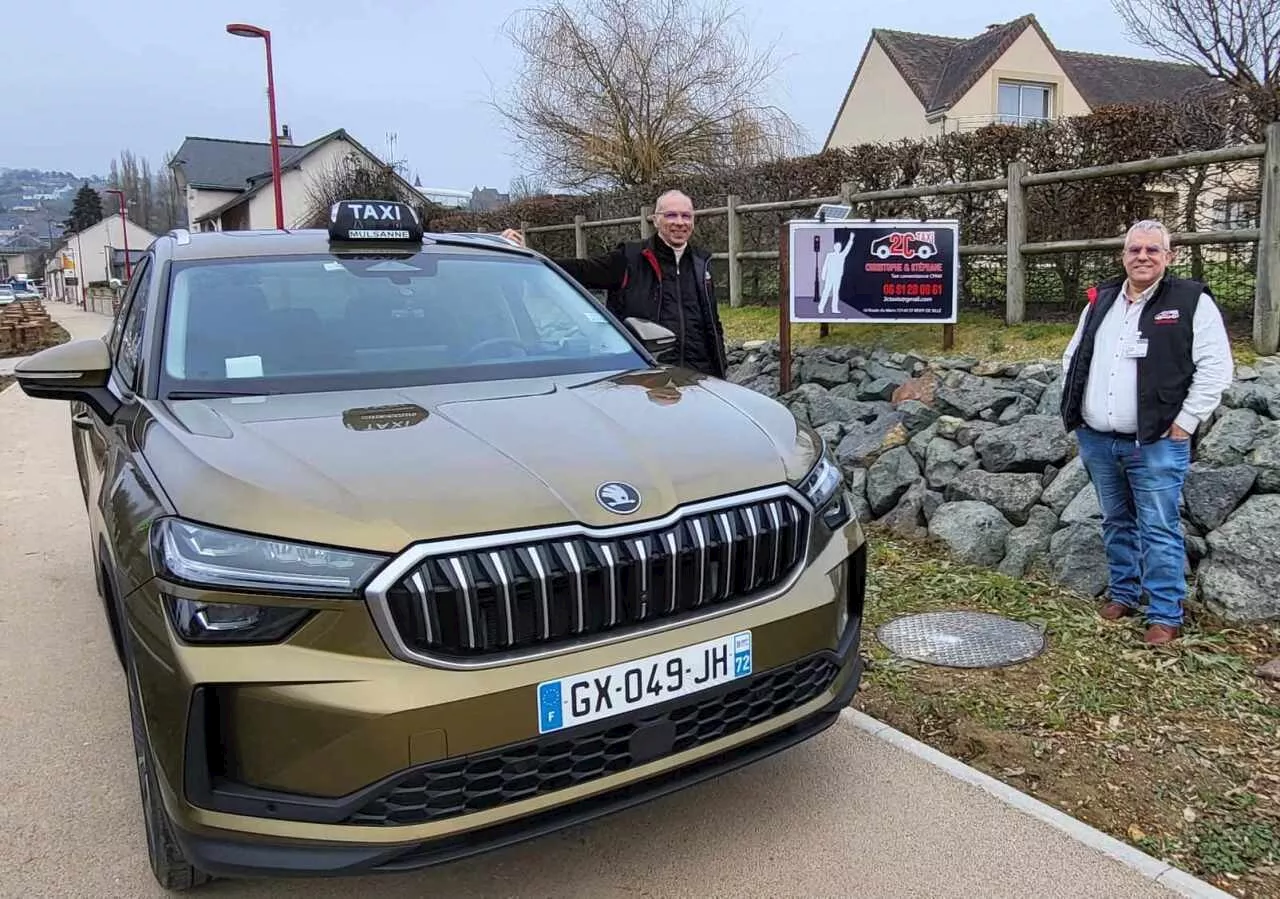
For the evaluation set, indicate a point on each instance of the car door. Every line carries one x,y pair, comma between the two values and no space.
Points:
105,449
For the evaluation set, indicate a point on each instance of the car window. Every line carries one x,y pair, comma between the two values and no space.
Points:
325,322
134,317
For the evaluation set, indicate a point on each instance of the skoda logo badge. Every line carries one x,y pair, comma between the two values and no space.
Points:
618,497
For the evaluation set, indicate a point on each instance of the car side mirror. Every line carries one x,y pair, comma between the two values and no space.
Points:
656,339
76,372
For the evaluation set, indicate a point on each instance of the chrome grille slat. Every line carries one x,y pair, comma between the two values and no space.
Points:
701,540
504,581
777,539
579,588
726,530
538,592
467,588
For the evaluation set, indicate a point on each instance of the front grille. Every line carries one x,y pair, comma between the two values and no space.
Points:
542,592
524,770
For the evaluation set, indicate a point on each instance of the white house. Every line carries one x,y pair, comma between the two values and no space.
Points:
93,256
228,183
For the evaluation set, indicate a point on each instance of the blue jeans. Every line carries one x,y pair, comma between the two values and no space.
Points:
1139,488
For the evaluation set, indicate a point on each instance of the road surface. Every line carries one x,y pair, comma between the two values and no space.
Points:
845,814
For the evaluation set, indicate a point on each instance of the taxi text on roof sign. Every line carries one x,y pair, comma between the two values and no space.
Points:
374,220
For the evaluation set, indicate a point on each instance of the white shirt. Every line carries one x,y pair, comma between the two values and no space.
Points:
1111,395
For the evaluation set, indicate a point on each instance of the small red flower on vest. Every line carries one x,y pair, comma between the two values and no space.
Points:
1092,294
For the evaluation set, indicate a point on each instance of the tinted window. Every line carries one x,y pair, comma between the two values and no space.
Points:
135,314
279,324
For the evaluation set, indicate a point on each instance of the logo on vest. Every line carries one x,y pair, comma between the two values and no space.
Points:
1166,317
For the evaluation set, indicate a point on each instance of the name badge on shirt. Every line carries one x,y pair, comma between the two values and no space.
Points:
1135,349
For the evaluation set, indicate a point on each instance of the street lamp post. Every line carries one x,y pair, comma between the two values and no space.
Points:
124,226
242,30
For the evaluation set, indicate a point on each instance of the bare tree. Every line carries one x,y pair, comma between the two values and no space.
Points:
1236,41
617,93
355,176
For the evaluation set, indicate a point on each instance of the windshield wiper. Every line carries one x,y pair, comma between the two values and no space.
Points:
212,394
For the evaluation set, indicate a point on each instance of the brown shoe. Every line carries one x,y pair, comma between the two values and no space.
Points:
1160,634
1113,611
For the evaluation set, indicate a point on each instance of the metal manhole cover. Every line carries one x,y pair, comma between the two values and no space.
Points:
961,639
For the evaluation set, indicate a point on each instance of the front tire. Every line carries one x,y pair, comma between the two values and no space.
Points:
168,863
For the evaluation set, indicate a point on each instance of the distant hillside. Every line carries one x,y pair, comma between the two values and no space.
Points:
41,195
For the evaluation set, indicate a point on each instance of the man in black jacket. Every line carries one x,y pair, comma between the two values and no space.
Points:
664,279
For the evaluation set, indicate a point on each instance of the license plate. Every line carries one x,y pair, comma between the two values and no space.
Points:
618,689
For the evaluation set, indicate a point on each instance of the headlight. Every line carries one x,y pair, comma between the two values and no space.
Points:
822,485
220,622
210,557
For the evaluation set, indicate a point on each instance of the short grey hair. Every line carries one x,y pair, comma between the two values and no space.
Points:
1150,225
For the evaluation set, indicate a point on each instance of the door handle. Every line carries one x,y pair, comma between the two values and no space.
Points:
82,420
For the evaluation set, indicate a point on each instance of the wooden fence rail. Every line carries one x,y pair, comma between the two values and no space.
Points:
1266,317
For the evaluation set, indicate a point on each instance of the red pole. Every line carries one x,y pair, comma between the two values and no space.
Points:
275,139
124,226
241,30
784,309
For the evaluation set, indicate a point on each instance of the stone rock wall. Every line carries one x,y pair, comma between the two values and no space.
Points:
974,454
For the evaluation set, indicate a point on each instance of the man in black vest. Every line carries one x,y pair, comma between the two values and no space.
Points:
664,279
1147,365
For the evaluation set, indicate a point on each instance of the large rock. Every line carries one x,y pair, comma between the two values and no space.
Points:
1211,494
1051,400
1078,560
1230,439
974,532
857,488
864,442
922,389
944,460
969,400
823,371
1013,494
1240,579
1066,485
1029,445
1084,507
1031,541
889,477
827,407
908,518
1265,457
916,416
919,444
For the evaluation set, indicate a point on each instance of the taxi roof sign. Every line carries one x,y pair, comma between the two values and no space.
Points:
375,221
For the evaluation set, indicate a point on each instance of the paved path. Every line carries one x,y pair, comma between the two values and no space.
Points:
846,814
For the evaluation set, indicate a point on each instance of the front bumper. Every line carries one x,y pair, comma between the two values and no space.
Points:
225,854
324,756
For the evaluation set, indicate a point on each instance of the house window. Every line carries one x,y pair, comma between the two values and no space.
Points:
1022,103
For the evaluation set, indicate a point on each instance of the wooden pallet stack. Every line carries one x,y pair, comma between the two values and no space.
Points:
25,327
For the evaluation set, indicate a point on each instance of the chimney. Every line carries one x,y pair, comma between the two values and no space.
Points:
286,137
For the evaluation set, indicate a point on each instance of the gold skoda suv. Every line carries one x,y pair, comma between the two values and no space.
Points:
410,549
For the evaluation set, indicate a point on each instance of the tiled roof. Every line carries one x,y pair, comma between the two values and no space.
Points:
940,70
216,164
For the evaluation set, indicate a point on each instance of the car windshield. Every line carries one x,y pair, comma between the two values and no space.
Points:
287,324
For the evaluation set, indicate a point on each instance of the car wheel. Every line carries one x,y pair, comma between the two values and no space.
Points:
168,863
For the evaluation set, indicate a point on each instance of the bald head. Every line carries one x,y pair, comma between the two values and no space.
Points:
673,217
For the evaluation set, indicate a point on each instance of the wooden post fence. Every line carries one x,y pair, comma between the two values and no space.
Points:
1015,249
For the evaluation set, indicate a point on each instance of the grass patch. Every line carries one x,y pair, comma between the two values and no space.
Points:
5,381
980,335
1175,750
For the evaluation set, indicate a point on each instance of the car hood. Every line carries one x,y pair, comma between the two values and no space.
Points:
380,469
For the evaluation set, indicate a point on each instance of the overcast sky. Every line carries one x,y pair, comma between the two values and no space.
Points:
88,78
